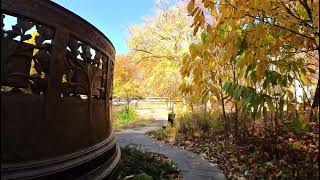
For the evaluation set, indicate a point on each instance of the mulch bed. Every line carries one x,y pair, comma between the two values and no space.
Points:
281,156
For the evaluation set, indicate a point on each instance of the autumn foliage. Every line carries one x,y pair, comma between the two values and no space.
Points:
251,65
263,56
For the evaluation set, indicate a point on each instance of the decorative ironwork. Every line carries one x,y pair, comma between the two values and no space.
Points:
85,71
49,58
25,59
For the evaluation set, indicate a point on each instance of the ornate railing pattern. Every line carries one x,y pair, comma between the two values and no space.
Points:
56,92
85,71
20,56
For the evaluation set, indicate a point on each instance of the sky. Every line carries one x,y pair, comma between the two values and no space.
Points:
111,17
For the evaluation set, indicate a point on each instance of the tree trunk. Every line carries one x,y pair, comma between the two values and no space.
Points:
127,109
315,103
316,97
205,111
236,103
223,108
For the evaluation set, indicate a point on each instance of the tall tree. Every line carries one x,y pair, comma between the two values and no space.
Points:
126,80
159,44
269,45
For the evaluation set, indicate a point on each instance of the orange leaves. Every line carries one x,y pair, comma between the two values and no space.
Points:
195,30
261,70
193,12
190,6
199,20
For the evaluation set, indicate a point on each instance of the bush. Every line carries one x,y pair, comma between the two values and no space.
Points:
126,115
198,121
143,176
167,133
298,124
194,122
146,166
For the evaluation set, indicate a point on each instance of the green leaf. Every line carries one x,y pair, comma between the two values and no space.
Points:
311,70
143,176
249,98
227,86
238,92
250,67
204,37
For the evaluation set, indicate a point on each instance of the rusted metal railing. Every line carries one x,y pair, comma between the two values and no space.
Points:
56,87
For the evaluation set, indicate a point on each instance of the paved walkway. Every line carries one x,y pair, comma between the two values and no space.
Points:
191,165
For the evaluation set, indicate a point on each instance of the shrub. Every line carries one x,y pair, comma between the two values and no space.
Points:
198,121
194,122
298,125
143,176
126,115
146,165
167,133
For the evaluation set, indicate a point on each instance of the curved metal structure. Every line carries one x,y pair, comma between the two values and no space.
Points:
56,87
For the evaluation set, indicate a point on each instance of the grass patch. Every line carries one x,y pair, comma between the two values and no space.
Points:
133,124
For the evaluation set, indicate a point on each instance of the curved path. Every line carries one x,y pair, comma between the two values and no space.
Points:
191,165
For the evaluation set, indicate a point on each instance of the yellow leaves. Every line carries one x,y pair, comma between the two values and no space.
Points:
303,78
214,12
266,49
198,15
183,87
198,20
186,59
32,40
185,69
242,61
212,63
262,65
